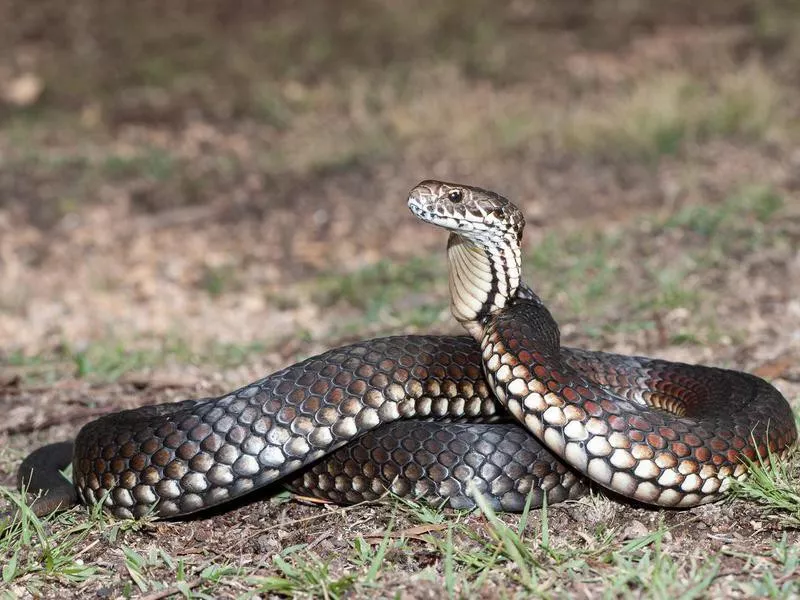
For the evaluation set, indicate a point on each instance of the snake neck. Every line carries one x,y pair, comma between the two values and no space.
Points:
483,278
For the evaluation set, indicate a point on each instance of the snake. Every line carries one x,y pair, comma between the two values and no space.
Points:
505,412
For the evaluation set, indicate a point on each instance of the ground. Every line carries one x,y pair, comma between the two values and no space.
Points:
192,199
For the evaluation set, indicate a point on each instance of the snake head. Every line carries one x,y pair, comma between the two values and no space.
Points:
480,216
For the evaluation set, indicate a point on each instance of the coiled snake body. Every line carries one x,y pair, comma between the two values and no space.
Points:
415,414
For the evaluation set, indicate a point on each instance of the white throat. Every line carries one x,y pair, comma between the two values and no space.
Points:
482,279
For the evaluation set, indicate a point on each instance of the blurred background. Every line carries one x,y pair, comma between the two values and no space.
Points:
216,182
196,193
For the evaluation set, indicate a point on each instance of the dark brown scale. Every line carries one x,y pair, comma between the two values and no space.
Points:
712,405
223,447
502,457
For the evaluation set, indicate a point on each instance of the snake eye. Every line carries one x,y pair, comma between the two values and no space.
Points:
455,195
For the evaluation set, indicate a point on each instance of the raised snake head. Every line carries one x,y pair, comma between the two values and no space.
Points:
480,216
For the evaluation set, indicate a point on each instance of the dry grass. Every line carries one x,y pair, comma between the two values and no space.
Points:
666,113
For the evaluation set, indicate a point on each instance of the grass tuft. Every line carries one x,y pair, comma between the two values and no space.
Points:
302,573
35,551
773,483
514,548
655,573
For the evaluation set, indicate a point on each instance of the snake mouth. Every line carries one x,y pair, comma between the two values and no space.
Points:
416,208
438,218
434,218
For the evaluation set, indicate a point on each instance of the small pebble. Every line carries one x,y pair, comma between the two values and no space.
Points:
635,529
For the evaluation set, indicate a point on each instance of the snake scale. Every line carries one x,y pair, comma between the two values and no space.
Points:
506,408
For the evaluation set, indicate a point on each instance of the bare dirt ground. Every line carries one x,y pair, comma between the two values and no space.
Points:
193,198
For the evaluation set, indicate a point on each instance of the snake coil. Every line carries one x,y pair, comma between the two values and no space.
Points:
416,414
